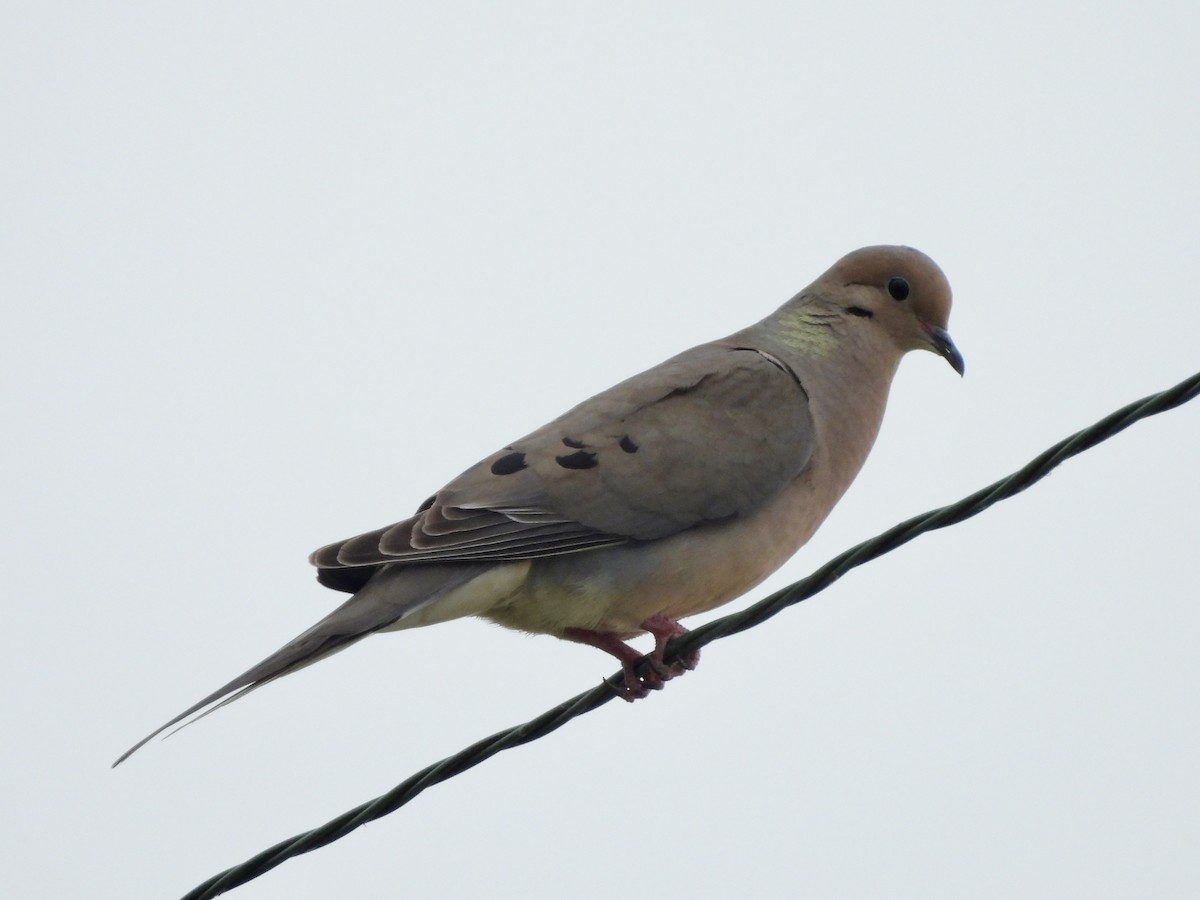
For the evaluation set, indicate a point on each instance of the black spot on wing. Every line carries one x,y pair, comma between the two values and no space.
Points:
574,444
509,463
581,459
627,445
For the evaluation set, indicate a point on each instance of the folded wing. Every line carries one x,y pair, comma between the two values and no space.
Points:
708,435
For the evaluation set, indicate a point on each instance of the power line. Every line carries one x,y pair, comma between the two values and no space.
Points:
555,718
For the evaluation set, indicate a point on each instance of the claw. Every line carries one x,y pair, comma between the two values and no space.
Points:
664,630
643,674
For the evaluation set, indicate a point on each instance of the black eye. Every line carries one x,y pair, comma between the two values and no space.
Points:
898,288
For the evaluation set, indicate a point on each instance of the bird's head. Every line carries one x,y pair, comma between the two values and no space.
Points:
898,290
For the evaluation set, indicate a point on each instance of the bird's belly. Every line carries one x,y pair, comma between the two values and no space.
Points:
615,589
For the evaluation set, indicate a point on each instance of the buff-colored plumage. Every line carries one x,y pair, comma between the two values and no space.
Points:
667,495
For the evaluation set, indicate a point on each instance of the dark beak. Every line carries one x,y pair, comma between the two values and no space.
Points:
944,347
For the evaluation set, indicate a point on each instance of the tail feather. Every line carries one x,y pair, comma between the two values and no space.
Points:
392,593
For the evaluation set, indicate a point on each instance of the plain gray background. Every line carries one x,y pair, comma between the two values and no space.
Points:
274,272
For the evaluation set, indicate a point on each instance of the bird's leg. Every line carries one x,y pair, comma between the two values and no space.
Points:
636,686
663,630
655,672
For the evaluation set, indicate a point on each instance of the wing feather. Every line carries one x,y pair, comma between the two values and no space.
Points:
708,435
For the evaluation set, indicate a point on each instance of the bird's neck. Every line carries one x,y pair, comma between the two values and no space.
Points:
846,367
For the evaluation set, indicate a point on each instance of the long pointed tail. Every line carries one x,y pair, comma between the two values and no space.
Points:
393,593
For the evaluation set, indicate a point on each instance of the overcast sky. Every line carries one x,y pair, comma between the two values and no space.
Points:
274,272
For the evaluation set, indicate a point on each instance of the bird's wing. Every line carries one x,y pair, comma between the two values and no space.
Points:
708,435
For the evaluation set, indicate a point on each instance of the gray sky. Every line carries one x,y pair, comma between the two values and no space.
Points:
275,272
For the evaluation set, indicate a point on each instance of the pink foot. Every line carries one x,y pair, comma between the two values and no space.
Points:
663,630
654,672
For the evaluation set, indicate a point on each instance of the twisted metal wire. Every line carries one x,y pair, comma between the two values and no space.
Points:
555,718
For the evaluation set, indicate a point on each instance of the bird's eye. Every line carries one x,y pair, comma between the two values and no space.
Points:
898,288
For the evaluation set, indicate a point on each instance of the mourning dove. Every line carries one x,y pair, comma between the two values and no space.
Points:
667,495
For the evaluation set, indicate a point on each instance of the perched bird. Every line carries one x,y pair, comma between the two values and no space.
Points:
667,495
